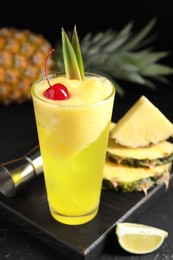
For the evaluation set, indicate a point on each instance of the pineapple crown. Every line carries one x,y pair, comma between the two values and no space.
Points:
123,56
72,56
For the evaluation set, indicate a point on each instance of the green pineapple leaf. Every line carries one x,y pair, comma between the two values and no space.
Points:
157,69
137,39
123,56
71,57
77,50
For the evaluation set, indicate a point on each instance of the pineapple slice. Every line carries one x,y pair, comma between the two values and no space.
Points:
142,125
122,177
140,157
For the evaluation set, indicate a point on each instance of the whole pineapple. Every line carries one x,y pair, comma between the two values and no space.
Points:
22,57
122,56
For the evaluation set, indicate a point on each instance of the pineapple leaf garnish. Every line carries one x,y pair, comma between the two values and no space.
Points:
72,56
124,56
77,50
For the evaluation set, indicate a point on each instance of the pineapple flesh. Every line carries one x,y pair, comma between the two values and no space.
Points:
140,157
22,57
138,164
142,125
128,179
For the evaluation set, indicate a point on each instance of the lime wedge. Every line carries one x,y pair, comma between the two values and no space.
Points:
139,239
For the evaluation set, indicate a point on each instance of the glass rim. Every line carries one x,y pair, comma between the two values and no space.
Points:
54,74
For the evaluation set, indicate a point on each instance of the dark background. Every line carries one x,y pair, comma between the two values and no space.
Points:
48,17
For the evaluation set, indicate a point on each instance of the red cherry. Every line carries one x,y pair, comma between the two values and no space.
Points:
57,91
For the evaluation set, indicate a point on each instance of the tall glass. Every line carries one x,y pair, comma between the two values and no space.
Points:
73,141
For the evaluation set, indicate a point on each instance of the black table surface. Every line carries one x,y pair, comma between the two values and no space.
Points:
18,134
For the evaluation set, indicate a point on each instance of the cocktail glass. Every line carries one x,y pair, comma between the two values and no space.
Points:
73,141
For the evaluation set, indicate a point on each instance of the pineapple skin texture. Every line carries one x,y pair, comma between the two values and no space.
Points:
149,156
114,177
22,58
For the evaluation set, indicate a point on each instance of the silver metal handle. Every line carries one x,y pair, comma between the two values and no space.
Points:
15,174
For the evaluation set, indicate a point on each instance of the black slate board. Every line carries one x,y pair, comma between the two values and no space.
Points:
29,211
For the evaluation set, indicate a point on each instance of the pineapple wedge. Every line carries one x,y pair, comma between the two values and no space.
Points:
149,157
142,125
128,179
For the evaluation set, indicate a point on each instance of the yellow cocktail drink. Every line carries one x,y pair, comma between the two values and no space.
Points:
73,136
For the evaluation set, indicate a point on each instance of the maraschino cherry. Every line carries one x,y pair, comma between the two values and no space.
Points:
57,91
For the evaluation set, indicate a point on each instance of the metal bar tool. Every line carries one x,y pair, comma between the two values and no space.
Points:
15,174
